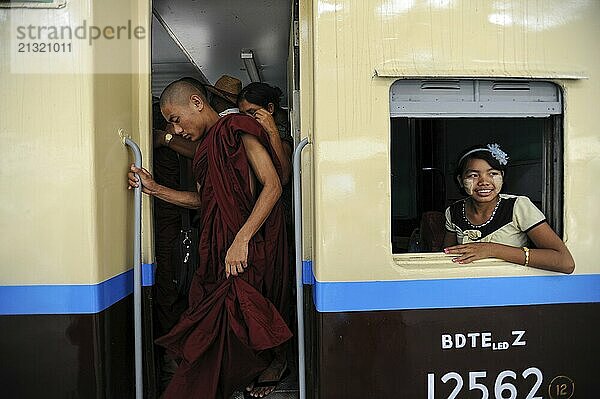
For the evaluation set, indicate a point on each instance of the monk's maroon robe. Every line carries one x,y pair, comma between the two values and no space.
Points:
223,336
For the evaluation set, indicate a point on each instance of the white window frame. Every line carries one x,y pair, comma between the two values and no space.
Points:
480,98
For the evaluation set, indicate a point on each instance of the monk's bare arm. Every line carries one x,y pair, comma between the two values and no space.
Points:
264,170
185,199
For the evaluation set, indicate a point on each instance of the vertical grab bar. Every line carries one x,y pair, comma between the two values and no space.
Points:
137,273
299,283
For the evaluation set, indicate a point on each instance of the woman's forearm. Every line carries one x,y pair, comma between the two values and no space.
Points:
551,259
541,258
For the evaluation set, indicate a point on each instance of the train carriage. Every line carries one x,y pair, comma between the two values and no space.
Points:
383,95
393,91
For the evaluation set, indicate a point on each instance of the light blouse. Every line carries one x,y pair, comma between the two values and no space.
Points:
513,218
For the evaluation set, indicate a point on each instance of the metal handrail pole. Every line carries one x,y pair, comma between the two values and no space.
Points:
137,273
299,282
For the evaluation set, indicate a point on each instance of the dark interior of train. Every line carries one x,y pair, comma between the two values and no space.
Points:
423,159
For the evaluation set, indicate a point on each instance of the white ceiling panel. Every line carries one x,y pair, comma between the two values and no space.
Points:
169,62
213,32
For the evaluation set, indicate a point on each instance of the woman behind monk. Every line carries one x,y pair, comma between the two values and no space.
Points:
262,102
488,224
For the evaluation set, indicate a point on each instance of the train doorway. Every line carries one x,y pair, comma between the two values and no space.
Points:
208,44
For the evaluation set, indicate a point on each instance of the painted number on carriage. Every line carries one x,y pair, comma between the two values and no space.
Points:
503,384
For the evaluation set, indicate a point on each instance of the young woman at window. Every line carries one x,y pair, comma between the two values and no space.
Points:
488,224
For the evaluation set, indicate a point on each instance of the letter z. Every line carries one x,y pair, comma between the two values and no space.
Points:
518,341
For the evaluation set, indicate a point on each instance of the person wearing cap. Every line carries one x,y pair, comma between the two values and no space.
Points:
225,92
488,224
226,338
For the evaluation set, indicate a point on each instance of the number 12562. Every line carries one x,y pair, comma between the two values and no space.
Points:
504,387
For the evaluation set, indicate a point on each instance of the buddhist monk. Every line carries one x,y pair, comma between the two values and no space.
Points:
227,337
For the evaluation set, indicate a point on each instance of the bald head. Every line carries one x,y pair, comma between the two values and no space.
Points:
185,107
196,83
179,93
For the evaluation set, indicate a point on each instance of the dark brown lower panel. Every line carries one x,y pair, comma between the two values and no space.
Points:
68,356
429,353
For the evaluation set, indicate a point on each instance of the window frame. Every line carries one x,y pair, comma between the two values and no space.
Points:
552,161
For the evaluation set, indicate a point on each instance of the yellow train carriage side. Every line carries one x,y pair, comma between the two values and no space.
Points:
381,314
66,256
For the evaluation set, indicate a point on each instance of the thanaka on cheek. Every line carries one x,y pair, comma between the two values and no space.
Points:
468,186
498,182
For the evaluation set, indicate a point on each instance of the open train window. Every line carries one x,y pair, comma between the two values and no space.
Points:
432,121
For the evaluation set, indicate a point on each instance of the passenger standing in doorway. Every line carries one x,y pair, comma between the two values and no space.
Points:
224,338
262,102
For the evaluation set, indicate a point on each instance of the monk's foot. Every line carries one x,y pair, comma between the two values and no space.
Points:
261,392
268,380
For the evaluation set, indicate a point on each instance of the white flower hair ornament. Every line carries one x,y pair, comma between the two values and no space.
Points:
497,153
494,149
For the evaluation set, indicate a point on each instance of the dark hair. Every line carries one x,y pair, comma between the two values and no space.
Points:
262,94
483,154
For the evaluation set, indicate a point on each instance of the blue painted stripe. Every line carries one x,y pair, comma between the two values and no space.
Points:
65,299
455,293
308,278
148,272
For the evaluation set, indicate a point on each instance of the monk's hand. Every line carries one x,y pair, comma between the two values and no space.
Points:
148,182
236,259
266,120
467,253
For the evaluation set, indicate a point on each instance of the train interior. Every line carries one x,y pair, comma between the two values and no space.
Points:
423,159
249,41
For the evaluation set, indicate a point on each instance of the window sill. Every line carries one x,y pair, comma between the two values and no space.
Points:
442,261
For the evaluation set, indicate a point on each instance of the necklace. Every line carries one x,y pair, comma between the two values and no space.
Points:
464,212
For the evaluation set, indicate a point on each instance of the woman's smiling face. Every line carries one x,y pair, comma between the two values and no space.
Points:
482,182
